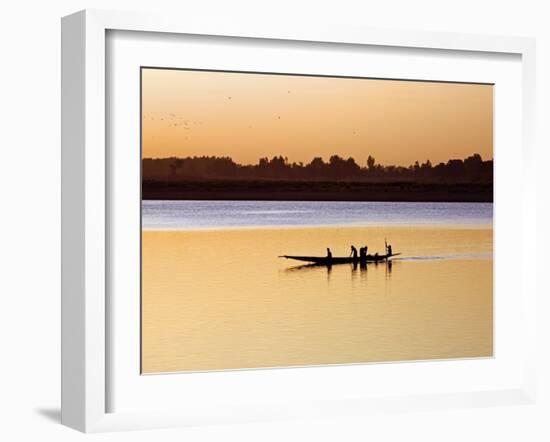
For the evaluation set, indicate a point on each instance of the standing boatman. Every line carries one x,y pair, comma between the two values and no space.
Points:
388,248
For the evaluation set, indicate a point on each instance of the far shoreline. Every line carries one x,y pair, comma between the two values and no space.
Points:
317,191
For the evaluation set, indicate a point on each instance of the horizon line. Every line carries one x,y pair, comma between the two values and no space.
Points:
287,161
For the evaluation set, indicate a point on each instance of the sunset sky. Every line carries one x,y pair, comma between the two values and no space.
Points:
248,116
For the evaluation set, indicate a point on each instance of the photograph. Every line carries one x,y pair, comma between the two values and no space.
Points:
293,220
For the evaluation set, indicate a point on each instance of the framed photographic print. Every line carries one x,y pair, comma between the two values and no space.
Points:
263,224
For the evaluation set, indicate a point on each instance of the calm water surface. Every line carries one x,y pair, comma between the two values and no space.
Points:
219,214
217,297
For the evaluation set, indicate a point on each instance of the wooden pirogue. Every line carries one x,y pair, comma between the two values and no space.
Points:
324,260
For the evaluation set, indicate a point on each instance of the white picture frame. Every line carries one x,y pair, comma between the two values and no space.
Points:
86,207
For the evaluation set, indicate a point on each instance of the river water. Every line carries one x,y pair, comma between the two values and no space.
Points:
216,295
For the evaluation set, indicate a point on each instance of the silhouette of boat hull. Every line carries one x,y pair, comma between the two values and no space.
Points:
323,260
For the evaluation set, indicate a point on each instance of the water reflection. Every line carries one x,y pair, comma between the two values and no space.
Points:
277,315
356,269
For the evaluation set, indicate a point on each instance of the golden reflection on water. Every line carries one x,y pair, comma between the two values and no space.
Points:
222,299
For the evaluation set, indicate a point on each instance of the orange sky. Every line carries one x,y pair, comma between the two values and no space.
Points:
248,116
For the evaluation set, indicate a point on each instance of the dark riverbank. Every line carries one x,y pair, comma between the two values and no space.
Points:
264,190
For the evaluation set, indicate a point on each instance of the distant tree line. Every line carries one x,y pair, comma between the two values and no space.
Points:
469,170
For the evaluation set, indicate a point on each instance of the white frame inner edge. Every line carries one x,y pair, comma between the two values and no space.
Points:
85,210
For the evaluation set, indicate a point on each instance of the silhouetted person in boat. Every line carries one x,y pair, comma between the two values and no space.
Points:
389,252
353,253
329,254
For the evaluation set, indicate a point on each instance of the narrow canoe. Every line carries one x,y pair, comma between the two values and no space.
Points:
339,259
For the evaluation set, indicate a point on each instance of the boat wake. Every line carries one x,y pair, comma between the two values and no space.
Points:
487,255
